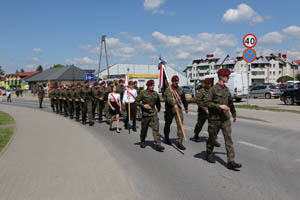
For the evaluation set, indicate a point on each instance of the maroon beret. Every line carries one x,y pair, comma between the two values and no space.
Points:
78,84
175,78
102,83
120,81
208,80
150,82
130,83
224,72
135,82
86,81
95,83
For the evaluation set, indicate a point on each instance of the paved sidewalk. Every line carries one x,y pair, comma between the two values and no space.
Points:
53,158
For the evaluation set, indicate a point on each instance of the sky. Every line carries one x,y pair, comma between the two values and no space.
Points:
35,32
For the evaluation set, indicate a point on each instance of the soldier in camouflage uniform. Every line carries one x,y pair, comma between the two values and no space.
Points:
138,109
71,100
65,99
95,91
219,102
52,94
121,90
202,110
171,106
60,100
77,102
101,100
109,89
86,97
147,100
41,95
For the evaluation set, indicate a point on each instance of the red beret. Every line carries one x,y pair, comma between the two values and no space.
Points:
130,83
120,81
135,82
95,83
150,82
86,81
224,72
78,84
102,83
175,78
208,80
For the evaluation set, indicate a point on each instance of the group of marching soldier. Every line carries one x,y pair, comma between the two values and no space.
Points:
114,100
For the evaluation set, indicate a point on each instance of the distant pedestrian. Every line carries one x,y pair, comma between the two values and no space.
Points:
9,96
114,102
41,94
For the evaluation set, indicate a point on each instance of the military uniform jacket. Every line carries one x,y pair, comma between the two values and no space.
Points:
121,90
52,94
86,94
41,93
200,100
169,102
215,97
71,95
77,94
64,94
151,98
102,93
95,92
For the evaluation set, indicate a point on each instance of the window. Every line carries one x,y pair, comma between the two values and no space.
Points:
273,65
279,72
242,65
273,73
270,73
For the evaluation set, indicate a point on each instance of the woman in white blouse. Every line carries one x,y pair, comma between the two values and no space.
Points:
115,105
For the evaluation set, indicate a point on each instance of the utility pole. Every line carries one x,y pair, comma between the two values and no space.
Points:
103,42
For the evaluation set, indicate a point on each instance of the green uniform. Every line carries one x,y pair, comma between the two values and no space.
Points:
202,114
170,112
86,106
71,102
60,101
121,90
150,117
106,107
219,119
41,94
77,103
52,94
56,95
95,99
101,103
138,109
65,101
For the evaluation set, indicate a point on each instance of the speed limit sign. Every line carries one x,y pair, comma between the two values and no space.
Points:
249,40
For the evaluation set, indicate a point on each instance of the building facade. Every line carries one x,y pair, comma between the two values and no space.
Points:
265,69
18,79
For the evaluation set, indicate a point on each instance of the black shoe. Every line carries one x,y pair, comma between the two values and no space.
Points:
71,117
84,122
142,145
160,148
180,146
77,119
126,126
168,142
53,111
91,123
210,158
111,129
107,121
100,120
216,144
233,165
134,129
196,138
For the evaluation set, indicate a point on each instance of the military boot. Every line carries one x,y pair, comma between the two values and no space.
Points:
83,122
233,165
216,143
167,141
91,123
210,158
142,145
160,148
180,146
196,138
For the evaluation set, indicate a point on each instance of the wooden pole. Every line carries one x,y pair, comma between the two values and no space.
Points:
128,98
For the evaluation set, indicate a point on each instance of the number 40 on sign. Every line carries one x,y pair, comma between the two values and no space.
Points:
249,41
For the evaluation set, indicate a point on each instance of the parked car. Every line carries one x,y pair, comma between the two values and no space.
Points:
290,86
188,90
291,96
265,91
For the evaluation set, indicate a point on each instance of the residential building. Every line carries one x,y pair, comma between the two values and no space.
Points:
18,79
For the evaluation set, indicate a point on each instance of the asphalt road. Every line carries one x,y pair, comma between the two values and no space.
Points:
270,156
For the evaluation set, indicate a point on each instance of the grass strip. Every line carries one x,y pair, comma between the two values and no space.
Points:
5,135
6,119
254,107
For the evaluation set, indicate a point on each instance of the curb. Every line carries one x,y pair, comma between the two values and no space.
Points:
10,141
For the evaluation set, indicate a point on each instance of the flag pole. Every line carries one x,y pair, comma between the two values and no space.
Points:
174,100
128,95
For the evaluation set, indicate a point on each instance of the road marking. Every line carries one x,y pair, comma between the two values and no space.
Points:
252,145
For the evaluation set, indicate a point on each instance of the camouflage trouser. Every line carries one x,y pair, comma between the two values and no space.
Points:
53,103
202,117
213,130
87,108
65,102
154,122
101,105
77,109
139,112
169,115
94,107
60,104
41,101
57,106
106,111
71,108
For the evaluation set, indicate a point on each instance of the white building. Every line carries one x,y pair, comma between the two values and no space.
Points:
140,73
265,69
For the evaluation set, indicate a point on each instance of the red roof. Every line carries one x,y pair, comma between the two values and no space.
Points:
297,61
25,74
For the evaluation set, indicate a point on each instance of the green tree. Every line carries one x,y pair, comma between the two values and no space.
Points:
284,79
298,77
2,73
57,65
17,71
39,68
22,70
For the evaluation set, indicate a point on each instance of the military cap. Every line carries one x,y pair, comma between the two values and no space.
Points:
130,82
120,81
150,82
78,84
175,78
86,81
102,83
208,80
224,72
135,82
96,83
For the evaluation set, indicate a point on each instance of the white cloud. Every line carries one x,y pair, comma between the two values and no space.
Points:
188,47
293,54
35,59
153,4
30,67
161,12
293,31
242,13
82,61
271,38
37,50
